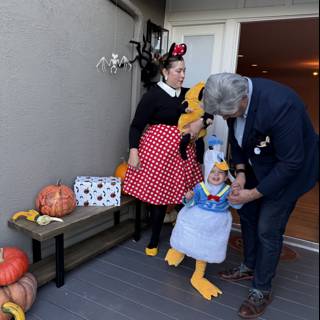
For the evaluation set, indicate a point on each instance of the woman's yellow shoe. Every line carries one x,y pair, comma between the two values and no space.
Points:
151,252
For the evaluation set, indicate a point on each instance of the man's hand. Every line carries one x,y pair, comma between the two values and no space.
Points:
194,128
238,183
244,196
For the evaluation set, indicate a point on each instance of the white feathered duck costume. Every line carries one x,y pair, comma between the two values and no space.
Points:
203,225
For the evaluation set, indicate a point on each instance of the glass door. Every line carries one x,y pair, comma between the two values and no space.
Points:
203,57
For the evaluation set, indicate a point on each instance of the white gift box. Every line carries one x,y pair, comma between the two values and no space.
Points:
97,191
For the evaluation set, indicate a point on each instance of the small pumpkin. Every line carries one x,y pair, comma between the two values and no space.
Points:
14,263
56,200
120,172
23,293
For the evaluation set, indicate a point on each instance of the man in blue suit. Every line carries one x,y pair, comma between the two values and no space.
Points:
275,151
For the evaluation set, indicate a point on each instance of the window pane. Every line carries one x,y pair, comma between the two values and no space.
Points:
198,58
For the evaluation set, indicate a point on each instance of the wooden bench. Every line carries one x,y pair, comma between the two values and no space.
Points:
67,258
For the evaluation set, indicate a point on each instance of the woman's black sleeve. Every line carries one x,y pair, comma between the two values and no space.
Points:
144,112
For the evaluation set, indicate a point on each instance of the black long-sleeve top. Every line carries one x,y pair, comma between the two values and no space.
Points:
155,107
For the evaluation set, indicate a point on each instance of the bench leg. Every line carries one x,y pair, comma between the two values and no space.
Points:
59,260
137,224
116,218
36,250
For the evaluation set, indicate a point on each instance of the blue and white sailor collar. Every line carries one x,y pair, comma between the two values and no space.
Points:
169,90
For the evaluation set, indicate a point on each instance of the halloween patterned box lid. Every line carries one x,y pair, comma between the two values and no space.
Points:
97,191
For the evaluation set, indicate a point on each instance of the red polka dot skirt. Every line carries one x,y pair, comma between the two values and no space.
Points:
163,177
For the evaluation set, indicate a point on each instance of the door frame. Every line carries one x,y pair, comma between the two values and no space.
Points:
232,20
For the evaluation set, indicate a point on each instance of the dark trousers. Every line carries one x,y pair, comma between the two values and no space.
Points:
263,224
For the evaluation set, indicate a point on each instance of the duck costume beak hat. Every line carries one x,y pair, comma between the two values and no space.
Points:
222,165
216,161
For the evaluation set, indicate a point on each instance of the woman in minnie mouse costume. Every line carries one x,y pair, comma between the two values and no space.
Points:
157,174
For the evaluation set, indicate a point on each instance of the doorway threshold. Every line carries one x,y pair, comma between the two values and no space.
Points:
295,242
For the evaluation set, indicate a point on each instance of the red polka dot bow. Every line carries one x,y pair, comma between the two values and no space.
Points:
215,198
179,49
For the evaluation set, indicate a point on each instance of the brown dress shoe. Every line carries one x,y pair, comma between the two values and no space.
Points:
236,274
255,305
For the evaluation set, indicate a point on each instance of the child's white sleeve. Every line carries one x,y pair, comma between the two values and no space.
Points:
235,206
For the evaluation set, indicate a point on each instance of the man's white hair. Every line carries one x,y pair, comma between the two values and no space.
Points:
223,93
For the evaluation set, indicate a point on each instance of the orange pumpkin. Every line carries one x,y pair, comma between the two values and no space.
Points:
14,263
23,293
56,200
120,172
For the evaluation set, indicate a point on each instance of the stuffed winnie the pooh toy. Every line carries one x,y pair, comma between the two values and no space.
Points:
192,110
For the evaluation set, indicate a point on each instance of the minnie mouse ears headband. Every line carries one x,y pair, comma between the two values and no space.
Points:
177,50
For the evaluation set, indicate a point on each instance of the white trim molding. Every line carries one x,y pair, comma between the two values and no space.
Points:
232,20
241,14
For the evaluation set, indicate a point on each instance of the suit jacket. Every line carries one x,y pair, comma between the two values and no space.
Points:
289,165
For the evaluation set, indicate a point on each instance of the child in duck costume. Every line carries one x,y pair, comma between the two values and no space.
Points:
192,110
203,227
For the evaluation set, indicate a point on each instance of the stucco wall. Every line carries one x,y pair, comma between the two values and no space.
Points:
152,9
59,117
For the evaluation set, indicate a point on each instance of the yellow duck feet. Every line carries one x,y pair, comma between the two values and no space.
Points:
204,286
152,252
174,257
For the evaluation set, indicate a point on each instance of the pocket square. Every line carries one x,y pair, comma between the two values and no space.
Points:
264,143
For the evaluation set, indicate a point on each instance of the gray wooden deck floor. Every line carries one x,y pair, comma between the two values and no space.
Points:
124,284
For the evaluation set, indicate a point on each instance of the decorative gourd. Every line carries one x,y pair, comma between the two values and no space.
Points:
56,200
14,264
12,309
22,293
120,172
